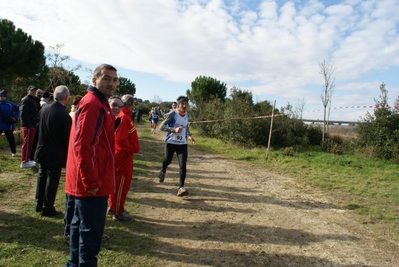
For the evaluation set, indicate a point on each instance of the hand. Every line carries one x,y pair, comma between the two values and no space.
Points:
179,129
94,191
191,140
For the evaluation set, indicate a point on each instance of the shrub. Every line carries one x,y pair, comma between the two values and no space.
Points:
380,130
333,145
314,134
288,151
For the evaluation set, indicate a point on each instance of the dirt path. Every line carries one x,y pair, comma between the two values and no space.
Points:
237,215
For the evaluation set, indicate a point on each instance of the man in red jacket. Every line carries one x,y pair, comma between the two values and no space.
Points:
126,143
90,171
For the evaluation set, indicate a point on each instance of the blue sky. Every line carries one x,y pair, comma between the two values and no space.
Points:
271,48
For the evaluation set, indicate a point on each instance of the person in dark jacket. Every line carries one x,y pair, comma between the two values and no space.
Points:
52,147
9,113
29,111
39,94
139,114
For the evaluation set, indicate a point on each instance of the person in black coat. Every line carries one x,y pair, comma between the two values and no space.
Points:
39,94
51,153
139,114
29,109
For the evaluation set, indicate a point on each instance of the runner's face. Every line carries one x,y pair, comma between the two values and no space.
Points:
106,83
183,106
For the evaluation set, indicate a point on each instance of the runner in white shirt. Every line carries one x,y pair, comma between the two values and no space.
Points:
176,126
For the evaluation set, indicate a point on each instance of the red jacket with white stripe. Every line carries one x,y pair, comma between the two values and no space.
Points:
126,134
91,162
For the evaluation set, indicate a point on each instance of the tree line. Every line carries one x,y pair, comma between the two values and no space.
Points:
236,118
23,62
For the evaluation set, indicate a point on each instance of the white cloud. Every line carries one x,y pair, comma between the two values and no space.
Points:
277,45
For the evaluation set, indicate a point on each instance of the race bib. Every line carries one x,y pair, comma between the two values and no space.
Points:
178,137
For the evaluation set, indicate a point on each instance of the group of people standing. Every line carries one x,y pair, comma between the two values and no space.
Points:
28,112
95,142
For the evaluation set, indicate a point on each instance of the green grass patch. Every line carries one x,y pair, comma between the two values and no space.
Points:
367,186
29,239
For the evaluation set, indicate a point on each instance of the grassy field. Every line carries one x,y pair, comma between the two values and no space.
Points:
29,239
367,186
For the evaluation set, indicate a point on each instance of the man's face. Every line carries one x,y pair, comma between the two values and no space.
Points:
39,93
32,92
106,83
116,105
183,106
174,106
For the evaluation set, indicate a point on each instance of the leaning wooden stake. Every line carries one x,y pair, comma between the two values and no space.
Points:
270,133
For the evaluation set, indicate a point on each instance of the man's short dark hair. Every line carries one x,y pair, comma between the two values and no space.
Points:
182,98
98,70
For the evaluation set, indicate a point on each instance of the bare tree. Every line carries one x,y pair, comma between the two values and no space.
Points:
157,99
57,71
327,72
288,110
89,75
294,112
300,108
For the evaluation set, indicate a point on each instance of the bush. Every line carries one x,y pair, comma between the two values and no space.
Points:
288,151
333,145
314,134
380,130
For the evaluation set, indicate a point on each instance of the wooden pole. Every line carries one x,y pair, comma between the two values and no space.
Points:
271,127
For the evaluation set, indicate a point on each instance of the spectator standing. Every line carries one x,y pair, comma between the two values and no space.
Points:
176,126
39,95
51,152
139,115
75,102
29,112
90,172
134,112
115,104
9,113
45,100
126,143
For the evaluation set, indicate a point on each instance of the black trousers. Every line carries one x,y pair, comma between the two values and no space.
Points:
181,152
46,189
11,140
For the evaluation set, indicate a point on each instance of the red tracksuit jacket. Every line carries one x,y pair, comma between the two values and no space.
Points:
91,162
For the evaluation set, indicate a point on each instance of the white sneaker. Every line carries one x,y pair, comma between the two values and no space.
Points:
32,162
182,192
27,165
13,155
